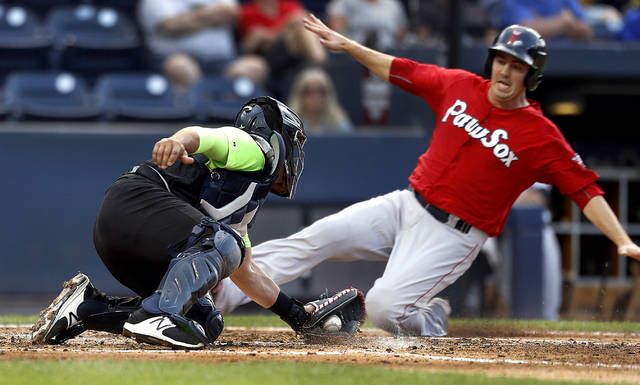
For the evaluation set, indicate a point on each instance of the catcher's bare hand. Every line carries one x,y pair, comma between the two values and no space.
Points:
168,150
328,37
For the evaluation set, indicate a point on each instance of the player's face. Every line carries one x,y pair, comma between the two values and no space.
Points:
280,184
507,81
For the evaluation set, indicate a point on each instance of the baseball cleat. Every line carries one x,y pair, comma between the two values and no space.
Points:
59,321
160,329
440,311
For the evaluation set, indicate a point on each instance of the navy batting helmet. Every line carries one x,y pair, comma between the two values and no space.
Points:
525,44
264,115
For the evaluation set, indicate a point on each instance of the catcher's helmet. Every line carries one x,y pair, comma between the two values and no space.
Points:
265,115
525,44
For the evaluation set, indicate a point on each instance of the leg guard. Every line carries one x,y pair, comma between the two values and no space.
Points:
216,251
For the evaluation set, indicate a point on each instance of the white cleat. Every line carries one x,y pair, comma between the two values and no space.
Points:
159,329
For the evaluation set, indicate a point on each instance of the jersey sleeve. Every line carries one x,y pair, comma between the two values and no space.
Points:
230,148
582,197
428,81
563,168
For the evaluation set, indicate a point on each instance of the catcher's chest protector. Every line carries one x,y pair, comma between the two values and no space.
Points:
233,197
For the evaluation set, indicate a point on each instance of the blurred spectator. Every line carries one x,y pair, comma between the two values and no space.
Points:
631,29
192,37
273,29
313,97
380,24
551,18
431,19
606,20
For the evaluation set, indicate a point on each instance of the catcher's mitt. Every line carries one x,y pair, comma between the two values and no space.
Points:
348,305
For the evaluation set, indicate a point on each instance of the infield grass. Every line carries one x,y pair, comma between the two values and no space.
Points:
30,372
267,320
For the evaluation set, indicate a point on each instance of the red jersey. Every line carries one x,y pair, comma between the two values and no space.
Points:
251,16
481,157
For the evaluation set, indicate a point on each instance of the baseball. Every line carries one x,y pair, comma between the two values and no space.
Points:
332,324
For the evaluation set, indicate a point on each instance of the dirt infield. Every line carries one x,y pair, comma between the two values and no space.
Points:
601,357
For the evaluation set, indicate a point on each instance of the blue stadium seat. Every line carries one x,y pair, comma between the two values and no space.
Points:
46,95
42,7
24,45
130,96
218,99
92,40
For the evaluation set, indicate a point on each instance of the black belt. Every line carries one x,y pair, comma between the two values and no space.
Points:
150,173
442,216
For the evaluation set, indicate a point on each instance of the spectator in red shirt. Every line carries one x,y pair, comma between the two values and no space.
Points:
274,29
490,144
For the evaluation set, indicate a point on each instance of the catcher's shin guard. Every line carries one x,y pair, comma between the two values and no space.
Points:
216,253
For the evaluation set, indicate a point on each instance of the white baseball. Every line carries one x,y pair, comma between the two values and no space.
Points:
332,324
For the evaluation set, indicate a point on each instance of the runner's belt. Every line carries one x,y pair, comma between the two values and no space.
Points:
440,215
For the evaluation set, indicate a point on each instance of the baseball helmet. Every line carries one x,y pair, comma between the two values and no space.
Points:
265,115
525,44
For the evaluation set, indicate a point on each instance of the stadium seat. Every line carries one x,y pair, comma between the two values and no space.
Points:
130,96
46,95
42,7
218,99
92,40
24,45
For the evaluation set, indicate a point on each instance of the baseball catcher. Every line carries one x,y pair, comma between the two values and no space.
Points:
173,227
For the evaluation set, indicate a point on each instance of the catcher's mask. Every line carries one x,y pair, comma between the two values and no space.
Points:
265,116
525,44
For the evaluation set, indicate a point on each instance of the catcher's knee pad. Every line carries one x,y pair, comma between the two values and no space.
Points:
191,274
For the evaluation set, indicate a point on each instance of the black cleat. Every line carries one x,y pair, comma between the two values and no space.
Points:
59,321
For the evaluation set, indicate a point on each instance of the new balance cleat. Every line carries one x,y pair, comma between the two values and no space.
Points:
161,329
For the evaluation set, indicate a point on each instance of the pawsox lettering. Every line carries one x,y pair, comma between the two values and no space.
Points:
491,140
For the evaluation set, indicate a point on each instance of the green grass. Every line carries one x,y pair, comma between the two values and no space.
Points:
17,319
67,372
578,326
266,320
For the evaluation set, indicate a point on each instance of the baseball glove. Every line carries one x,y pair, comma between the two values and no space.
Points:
348,305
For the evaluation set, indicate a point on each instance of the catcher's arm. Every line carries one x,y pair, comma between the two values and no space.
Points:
255,283
306,319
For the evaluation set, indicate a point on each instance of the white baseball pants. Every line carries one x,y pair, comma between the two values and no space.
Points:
423,257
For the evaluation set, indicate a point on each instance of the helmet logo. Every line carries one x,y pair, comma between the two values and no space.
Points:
514,39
